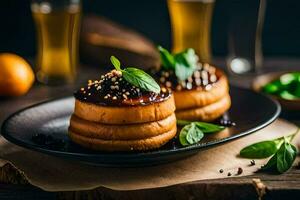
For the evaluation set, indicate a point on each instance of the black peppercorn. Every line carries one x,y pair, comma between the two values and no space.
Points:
240,170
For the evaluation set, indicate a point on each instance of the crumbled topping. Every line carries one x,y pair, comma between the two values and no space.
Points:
111,88
204,77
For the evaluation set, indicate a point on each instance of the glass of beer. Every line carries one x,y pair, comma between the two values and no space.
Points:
191,25
245,35
57,26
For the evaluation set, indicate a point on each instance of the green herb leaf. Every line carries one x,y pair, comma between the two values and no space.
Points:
140,79
136,77
188,58
190,134
116,63
271,88
288,78
262,149
209,127
182,72
183,63
167,59
182,122
286,156
271,164
280,140
194,135
287,95
284,153
297,90
287,86
265,149
204,126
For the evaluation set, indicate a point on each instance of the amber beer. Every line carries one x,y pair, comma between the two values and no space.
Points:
191,24
57,31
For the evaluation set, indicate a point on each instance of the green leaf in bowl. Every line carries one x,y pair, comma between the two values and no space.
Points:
287,95
296,91
271,88
288,78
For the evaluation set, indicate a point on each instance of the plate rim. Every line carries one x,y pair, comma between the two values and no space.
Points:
124,155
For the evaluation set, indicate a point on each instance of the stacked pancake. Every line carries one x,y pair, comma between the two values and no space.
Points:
204,96
113,115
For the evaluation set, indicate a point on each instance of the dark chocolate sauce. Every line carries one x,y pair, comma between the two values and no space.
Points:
113,90
203,78
225,121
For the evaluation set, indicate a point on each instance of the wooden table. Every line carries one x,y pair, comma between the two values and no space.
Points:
268,186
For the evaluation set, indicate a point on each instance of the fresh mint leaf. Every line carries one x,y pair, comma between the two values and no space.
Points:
262,149
194,135
183,133
271,164
204,126
183,63
287,95
284,153
283,159
188,58
286,156
280,140
209,127
271,88
136,77
116,63
287,86
183,122
167,59
182,72
140,79
265,149
287,79
190,134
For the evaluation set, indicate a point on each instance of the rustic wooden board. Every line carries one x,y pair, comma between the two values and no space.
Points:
272,187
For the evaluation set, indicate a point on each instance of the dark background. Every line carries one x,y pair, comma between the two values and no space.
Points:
150,17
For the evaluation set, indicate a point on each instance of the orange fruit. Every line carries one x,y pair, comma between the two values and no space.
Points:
16,75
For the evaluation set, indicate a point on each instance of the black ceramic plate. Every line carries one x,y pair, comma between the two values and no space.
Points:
250,111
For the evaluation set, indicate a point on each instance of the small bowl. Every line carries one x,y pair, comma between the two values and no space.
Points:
262,80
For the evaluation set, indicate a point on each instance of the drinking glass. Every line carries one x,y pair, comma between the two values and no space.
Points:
57,27
191,25
245,30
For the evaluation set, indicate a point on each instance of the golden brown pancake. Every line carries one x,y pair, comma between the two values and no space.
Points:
121,132
112,115
123,145
203,96
200,97
206,113
125,114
